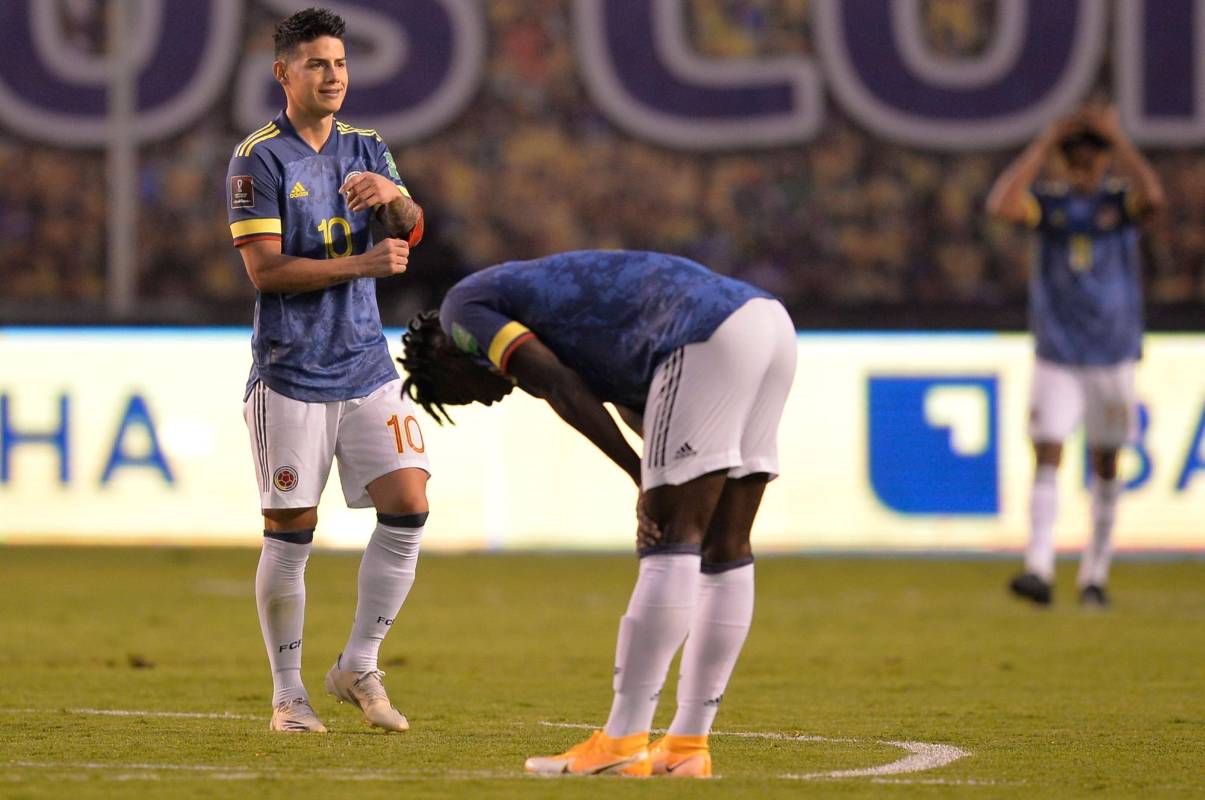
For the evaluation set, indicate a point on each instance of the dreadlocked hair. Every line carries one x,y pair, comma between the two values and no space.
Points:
419,359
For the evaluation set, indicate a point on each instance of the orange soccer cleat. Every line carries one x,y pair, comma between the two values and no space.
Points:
681,756
598,755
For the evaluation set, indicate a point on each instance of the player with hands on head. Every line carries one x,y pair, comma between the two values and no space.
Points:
305,192
1086,317
700,365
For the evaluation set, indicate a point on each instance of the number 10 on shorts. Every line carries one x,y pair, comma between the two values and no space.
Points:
407,433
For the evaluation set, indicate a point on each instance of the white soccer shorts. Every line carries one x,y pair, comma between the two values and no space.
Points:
294,442
716,404
1103,398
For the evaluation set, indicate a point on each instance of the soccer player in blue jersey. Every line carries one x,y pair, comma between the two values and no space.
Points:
304,191
698,364
1086,317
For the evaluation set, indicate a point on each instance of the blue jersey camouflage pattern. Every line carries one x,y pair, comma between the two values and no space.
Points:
324,345
1086,289
611,316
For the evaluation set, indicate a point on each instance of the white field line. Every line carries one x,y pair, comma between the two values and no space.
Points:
921,757
69,770
943,782
122,712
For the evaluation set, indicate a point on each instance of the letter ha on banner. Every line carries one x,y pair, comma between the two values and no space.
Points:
898,441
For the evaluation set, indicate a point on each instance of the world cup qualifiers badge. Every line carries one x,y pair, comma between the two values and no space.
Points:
285,479
242,191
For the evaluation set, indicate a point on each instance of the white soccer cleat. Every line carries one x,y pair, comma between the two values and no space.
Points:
296,716
365,691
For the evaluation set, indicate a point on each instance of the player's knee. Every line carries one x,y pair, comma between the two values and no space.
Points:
1104,464
712,566
416,519
726,551
295,536
1048,454
290,519
681,532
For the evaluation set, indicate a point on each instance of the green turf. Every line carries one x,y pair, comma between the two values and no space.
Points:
1057,703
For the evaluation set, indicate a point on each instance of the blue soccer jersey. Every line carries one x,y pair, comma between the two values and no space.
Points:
611,316
1085,301
323,345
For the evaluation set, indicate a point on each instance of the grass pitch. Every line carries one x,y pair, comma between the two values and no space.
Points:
491,649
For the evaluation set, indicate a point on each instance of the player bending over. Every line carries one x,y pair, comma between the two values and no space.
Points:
700,365
1086,314
303,190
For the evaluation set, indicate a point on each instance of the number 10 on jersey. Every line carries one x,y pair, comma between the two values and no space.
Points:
407,433
327,229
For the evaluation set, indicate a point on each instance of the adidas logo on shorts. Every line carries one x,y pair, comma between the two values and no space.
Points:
685,451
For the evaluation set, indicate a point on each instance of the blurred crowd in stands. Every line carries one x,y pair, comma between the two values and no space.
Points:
843,224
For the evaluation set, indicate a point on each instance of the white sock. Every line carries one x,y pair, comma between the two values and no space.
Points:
386,575
280,599
1094,566
717,633
649,634
1043,509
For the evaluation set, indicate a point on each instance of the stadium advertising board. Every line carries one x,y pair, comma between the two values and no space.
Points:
902,441
423,60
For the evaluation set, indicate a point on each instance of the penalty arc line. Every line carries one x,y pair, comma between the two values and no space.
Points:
922,756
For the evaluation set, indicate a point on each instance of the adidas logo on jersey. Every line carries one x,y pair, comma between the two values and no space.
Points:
684,451
298,191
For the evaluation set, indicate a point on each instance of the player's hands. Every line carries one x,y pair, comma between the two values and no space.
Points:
647,532
369,190
386,258
1061,128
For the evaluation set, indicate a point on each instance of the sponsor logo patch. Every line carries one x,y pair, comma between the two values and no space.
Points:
242,191
298,191
463,339
285,479
391,165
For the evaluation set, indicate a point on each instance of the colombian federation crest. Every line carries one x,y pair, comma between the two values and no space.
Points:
285,479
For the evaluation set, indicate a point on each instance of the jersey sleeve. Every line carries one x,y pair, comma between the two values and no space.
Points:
478,328
253,198
383,164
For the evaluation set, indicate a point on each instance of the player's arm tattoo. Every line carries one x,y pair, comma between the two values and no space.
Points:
400,216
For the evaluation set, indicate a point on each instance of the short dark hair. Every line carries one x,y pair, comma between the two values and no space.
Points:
420,359
306,26
1085,138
